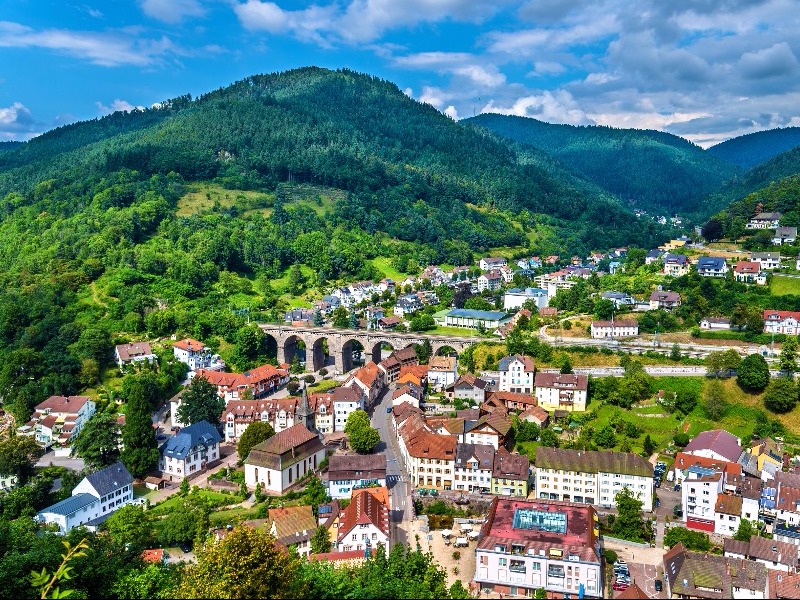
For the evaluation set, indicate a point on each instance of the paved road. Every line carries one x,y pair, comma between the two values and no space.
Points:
396,477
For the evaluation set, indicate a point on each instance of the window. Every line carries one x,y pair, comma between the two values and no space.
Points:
501,562
355,537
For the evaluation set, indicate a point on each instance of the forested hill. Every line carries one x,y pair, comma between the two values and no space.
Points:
653,170
6,146
749,150
339,129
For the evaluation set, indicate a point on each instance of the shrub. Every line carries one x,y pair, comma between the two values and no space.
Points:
681,439
323,371
610,556
309,379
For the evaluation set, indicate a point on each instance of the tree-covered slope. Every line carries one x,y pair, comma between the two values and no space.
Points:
749,150
653,170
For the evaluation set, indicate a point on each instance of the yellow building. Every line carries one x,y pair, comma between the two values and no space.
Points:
510,474
765,450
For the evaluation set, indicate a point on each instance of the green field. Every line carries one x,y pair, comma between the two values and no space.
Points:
781,285
384,265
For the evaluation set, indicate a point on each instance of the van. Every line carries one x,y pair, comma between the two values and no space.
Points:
671,476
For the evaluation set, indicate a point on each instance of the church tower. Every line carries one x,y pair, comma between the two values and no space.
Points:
303,413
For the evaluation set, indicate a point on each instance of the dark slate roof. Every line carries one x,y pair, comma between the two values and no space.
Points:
70,505
483,453
110,479
181,444
710,262
357,466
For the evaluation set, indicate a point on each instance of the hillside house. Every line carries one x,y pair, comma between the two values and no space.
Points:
189,452
197,355
614,329
492,262
784,235
58,420
619,298
781,321
492,280
293,526
769,261
764,220
711,266
407,305
516,297
747,271
557,391
126,354
664,299
675,265
259,382
715,323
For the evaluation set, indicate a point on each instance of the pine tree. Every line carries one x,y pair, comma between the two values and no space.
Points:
140,453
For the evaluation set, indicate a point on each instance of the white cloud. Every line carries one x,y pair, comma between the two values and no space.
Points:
553,107
433,96
17,123
774,61
172,11
451,112
116,106
107,49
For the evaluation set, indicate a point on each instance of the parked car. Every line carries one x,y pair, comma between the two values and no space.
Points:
620,586
677,487
671,476
185,547
658,502
388,409
659,585
434,492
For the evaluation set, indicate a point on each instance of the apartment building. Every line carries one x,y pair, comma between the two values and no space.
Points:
592,477
557,391
527,545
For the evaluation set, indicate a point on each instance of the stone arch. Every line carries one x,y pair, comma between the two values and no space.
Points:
288,349
445,350
318,357
377,346
349,353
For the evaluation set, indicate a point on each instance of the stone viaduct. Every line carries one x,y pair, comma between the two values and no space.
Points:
342,342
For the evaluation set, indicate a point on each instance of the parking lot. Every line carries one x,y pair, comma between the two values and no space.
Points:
645,576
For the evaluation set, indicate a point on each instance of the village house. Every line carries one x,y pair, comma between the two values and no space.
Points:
529,545
58,420
293,526
614,329
388,323
557,391
516,374
126,354
410,393
592,477
429,457
300,316
257,383
368,380
197,355
492,262
392,364
512,401
536,415
467,387
715,323
442,371
675,265
364,524
784,235
712,577
407,305
386,285
747,271
474,465
416,374
774,555
717,444
189,452
664,299
350,472
93,500
284,459
491,429
492,280
781,321
711,266
764,220
769,261
619,299
653,255
510,474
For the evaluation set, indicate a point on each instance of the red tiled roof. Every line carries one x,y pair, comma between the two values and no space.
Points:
419,371
189,344
49,421
512,397
364,508
780,315
337,556
510,466
62,404
537,412
421,443
286,440
783,585
684,461
747,267
153,555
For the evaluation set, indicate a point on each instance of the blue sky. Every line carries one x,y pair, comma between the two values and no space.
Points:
707,70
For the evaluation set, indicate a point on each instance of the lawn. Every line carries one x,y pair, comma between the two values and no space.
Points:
202,197
782,286
212,498
456,331
232,515
323,386
384,265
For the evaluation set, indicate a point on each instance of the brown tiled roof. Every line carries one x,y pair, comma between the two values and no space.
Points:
773,551
617,323
506,397
127,352
510,466
406,355
537,412
684,461
418,371
368,375
659,296
562,381
356,466
286,440
633,592
729,505
364,508
153,555
49,421
582,461
292,523
731,546
411,389
421,443
709,576
527,362
442,363
189,344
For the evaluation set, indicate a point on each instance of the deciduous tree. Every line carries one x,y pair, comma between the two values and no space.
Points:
18,454
98,441
200,402
254,434
752,374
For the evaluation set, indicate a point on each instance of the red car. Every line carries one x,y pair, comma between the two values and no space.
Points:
620,586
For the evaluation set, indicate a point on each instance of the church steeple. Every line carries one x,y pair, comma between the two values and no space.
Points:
303,413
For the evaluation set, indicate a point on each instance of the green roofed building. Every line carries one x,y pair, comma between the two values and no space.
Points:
463,317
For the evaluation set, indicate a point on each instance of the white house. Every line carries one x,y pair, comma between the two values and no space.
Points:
442,371
283,459
491,280
125,354
492,262
92,501
189,451
59,419
711,266
769,261
197,355
715,323
349,472
614,329
363,524
473,467
764,220
781,321
784,235
410,393
516,374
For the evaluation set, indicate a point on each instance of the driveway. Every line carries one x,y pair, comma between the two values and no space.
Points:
50,459
644,576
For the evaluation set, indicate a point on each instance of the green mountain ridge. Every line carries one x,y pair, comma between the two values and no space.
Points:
749,150
652,170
